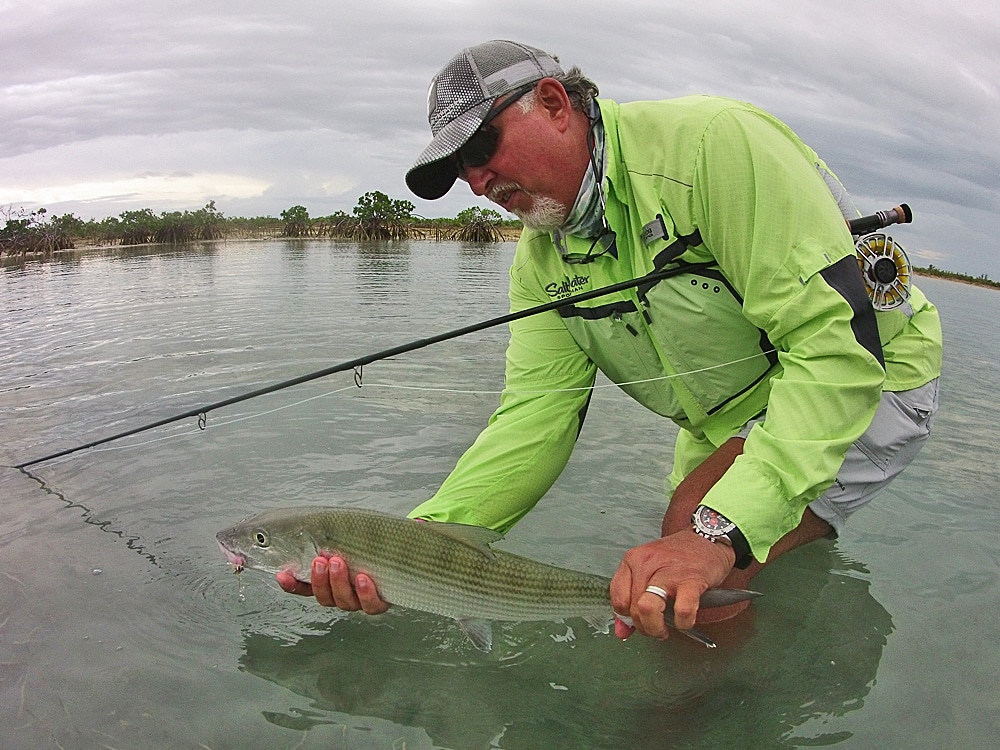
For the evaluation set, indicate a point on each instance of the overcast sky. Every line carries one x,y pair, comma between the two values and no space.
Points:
107,106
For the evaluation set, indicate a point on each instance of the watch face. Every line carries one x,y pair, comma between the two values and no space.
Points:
712,522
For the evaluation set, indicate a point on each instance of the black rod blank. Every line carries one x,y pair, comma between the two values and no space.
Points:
900,214
369,358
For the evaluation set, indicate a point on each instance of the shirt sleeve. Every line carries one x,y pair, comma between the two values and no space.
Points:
770,221
528,440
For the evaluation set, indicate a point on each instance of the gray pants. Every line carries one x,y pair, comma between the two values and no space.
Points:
901,426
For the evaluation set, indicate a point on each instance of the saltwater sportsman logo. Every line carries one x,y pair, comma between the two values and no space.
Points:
566,287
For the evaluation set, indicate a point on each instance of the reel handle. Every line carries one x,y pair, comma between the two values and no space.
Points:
901,214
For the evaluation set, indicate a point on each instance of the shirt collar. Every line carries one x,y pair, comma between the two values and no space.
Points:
586,217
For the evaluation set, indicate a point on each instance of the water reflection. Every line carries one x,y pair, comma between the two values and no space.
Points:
811,650
120,337
383,271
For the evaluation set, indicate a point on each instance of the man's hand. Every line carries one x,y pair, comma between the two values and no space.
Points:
332,587
683,564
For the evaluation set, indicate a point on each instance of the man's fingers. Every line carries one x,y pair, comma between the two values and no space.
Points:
686,606
332,584
648,614
368,595
621,589
293,585
623,626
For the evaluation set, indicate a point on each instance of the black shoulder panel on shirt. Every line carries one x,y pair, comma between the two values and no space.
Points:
582,415
845,277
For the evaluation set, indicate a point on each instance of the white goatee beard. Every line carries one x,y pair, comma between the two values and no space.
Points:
545,214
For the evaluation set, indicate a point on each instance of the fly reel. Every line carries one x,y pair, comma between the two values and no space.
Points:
885,270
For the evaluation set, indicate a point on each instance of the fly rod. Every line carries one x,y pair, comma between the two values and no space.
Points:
901,214
893,216
201,411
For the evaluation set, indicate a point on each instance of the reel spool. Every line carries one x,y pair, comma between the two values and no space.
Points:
885,270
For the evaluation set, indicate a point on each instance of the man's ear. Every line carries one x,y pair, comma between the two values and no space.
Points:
551,97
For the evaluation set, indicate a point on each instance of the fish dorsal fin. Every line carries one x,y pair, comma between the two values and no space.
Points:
480,632
478,538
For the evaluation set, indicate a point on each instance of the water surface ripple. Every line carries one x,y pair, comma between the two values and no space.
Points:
122,626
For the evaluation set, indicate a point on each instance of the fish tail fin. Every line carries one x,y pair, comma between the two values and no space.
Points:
723,597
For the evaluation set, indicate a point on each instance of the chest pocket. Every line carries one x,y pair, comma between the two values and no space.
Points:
683,338
697,322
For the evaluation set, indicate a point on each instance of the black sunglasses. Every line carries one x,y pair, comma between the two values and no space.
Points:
606,244
481,146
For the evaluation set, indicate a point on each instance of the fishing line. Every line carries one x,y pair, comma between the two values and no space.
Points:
201,413
899,215
596,386
215,426
359,383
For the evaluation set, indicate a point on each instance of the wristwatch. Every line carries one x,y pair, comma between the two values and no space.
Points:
712,525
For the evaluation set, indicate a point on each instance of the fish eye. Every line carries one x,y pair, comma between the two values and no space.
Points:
261,538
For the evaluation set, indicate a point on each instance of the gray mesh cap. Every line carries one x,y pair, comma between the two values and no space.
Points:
459,99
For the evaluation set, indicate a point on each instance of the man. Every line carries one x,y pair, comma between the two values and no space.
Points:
796,400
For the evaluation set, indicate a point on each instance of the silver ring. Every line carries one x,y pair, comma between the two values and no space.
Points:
658,591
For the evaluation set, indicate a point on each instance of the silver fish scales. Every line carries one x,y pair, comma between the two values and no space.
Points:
445,569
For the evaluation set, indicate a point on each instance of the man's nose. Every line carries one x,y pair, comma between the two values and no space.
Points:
478,179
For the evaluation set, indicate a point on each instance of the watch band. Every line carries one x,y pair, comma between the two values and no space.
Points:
726,529
741,547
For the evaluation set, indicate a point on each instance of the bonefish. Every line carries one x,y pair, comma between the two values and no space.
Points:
442,568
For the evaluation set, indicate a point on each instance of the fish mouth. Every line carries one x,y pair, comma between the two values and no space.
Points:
235,559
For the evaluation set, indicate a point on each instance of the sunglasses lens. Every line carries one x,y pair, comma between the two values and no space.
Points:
606,243
480,147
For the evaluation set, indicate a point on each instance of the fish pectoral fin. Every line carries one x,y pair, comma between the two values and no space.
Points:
480,632
478,538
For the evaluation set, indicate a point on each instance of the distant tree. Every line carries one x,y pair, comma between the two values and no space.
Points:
70,225
296,221
209,223
175,227
137,227
479,225
337,224
26,232
380,217
376,205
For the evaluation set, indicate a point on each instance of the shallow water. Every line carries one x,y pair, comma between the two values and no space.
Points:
121,625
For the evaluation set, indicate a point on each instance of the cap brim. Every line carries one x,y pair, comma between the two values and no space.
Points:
433,173
432,181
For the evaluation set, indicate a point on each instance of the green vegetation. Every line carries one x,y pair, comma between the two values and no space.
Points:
479,225
30,233
380,217
982,280
375,217
296,222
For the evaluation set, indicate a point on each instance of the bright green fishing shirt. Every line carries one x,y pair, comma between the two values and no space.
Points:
754,328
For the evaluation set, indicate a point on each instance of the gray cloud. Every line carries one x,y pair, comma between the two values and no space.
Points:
266,104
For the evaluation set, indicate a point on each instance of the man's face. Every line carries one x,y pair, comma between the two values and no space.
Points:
531,172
